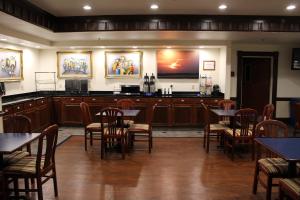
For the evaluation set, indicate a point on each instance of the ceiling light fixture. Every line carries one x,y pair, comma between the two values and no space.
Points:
201,47
291,7
154,7
135,47
37,47
87,7
168,47
222,7
3,39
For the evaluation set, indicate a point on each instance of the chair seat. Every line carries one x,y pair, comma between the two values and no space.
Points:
237,132
94,127
15,157
25,165
217,127
128,122
224,122
293,185
139,127
274,166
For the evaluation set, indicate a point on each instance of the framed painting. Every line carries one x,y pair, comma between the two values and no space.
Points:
123,64
181,64
74,64
11,63
209,65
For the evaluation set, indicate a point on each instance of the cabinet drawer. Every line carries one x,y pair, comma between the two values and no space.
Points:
29,105
41,101
72,99
18,107
8,110
93,99
183,100
161,100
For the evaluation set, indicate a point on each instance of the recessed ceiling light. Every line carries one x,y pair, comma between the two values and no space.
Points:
102,47
201,47
72,47
222,7
37,46
135,47
168,47
22,43
3,39
291,7
154,7
87,7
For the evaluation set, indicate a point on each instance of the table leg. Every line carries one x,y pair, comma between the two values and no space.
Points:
292,169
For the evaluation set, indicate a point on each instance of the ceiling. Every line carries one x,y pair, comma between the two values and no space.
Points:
201,7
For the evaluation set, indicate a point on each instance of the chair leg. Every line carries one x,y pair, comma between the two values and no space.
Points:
55,182
207,142
85,140
26,183
150,141
91,138
6,187
39,188
123,148
204,139
16,187
253,150
255,181
232,150
269,188
281,194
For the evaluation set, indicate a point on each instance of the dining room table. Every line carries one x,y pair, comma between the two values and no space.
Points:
127,112
286,148
10,142
221,113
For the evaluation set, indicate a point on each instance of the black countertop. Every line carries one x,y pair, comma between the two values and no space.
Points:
18,98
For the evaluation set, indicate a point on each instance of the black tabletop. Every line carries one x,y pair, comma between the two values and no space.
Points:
127,113
224,113
287,148
9,142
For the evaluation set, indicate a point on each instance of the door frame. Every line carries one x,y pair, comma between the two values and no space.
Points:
274,71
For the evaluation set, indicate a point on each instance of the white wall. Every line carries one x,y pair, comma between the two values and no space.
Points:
30,65
99,82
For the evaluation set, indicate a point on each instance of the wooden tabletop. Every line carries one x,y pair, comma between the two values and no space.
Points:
224,113
10,142
127,113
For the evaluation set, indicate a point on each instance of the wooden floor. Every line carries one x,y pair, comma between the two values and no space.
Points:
177,169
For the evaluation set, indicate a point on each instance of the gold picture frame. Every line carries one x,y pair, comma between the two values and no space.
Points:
11,65
209,65
123,64
74,64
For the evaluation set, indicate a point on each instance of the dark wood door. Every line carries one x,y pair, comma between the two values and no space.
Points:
257,79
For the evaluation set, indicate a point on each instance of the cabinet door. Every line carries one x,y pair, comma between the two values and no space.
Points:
161,116
71,114
32,115
182,114
44,117
57,110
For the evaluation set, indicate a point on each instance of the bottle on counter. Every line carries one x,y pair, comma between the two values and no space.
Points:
152,84
146,84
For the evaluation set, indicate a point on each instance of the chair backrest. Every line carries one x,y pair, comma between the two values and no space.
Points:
226,104
125,104
297,115
271,128
85,113
245,119
46,149
268,112
18,124
112,122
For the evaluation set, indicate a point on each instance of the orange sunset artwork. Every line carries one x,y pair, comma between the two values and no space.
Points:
177,64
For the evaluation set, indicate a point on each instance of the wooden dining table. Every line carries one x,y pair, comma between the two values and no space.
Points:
127,113
286,148
10,142
221,113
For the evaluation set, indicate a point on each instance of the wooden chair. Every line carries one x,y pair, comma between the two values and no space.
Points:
42,167
91,130
143,131
297,118
242,132
126,104
210,130
226,104
270,167
268,112
289,188
113,130
18,124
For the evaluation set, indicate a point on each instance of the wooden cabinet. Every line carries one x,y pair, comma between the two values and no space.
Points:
182,112
70,111
162,114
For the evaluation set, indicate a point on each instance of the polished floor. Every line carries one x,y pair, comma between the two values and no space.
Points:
177,169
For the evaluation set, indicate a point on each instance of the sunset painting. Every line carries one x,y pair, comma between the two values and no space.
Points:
177,64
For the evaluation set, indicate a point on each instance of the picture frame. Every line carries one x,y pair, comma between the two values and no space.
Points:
209,65
74,64
11,65
123,64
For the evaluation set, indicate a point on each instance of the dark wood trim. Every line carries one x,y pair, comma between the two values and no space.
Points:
241,54
25,10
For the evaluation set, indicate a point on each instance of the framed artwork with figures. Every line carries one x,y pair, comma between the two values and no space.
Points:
11,64
73,64
123,64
